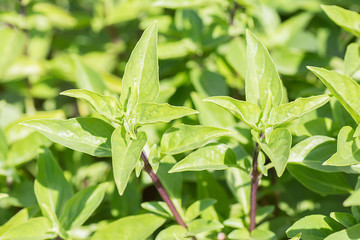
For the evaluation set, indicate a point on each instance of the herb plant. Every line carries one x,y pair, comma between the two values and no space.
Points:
271,151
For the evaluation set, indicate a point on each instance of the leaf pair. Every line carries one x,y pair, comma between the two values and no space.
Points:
265,107
57,202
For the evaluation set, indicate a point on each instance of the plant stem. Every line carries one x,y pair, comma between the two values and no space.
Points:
255,177
160,188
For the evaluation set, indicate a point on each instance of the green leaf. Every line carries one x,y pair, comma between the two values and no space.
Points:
26,149
153,113
19,218
125,154
182,138
302,149
203,225
52,190
348,149
314,227
350,233
297,237
262,75
179,4
353,200
33,229
239,183
247,112
293,110
12,43
262,234
195,209
352,59
348,20
141,71
345,219
4,195
86,77
211,157
107,106
160,208
278,148
169,232
3,148
320,182
80,207
138,227
88,135
345,89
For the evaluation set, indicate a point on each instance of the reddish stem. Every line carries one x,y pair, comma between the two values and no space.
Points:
160,188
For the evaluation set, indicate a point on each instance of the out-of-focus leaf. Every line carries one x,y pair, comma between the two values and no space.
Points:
88,135
80,207
178,4
262,75
239,183
195,209
314,227
352,59
350,233
320,182
345,89
353,200
125,154
138,227
203,225
107,106
153,112
141,71
35,228
26,149
293,110
86,77
186,137
278,148
19,218
3,148
52,190
211,157
169,232
58,16
348,20
12,44
248,112
345,219
348,149
208,83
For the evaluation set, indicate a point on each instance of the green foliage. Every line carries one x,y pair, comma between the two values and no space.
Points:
177,110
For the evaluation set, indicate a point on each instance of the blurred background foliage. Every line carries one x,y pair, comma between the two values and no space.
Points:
49,46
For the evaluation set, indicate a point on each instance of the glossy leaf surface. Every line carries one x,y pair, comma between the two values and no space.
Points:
107,106
293,110
138,227
211,157
141,71
125,154
88,135
153,112
248,112
262,75
182,138
345,89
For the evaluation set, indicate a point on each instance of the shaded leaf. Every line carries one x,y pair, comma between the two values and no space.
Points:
80,207
203,225
350,233
195,209
353,200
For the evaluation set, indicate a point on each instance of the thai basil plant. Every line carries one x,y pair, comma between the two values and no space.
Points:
271,151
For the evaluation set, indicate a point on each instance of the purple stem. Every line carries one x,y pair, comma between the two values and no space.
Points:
255,177
160,188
